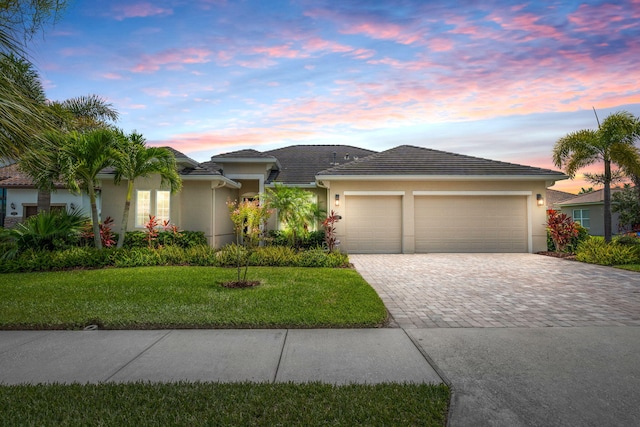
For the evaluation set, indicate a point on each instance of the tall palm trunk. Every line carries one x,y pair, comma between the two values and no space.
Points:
607,200
44,200
125,214
94,218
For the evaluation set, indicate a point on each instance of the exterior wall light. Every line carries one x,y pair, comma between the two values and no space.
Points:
539,200
337,200
72,206
13,206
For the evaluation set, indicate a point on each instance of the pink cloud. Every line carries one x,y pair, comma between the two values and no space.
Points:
282,51
172,59
112,76
233,138
139,10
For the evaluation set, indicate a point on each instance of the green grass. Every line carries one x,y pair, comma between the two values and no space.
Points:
630,267
200,404
188,297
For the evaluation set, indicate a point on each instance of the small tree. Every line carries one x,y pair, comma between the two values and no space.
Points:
562,229
249,218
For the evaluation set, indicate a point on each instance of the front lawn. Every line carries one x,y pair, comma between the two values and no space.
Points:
200,404
630,267
188,297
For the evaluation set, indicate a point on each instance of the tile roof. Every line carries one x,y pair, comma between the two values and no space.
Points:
12,176
242,154
588,198
301,163
409,160
555,197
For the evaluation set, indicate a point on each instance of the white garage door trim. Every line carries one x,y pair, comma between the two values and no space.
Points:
374,193
528,194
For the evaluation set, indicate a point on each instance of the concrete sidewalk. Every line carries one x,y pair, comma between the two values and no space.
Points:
338,356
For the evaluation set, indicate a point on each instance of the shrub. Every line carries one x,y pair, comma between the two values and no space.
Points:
137,257
596,251
274,256
202,255
582,235
46,230
231,255
562,229
182,239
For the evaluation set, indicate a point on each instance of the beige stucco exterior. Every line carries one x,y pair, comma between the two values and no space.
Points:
409,190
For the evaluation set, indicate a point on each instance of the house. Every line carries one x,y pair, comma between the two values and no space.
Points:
403,200
588,210
19,197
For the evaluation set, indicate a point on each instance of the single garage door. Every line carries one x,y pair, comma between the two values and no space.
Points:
471,224
373,224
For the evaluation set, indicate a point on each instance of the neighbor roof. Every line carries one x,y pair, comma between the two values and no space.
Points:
594,197
301,163
555,197
12,176
407,160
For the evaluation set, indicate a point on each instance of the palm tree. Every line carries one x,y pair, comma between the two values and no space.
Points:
81,157
22,119
295,209
137,161
612,143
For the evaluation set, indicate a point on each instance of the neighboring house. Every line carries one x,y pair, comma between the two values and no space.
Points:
588,210
403,200
555,197
19,197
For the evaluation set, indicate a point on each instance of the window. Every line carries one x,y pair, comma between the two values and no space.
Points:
581,216
162,206
143,207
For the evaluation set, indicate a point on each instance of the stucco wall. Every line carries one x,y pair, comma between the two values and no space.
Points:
23,197
596,218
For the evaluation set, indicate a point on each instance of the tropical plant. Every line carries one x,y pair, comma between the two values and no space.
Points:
106,233
612,143
22,118
137,161
330,231
81,157
625,203
295,209
562,229
46,230
249,218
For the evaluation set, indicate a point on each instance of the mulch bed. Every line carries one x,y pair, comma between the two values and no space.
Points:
563,255
241,284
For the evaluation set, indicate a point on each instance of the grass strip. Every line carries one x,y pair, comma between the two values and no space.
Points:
200,404
188,297
629,267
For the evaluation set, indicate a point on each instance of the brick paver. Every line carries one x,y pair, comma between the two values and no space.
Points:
500,290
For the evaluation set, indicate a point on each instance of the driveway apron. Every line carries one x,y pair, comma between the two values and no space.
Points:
522,339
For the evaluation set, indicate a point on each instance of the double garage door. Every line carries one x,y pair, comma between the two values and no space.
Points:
374,224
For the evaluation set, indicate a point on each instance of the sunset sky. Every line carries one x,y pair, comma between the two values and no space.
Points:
490,79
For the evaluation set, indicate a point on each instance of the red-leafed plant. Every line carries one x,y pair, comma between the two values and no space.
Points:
330,231
106,235
562,229
152,231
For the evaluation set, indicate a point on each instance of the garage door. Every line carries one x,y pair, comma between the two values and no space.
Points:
373,224
471,224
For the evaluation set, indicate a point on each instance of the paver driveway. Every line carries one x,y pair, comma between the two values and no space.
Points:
500,290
